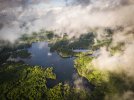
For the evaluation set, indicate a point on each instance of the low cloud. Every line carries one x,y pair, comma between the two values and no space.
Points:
128,95
26,16
121,61
15,19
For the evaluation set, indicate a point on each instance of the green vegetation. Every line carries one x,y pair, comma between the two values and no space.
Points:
65,92
85,69
106,83
102,43
95,77
20,81
83,42
21,54
38,37
7,50
50,34
65,46
116,49
4,56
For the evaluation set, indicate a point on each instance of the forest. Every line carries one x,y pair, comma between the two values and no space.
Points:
20,81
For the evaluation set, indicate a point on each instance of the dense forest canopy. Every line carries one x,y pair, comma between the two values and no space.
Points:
97,35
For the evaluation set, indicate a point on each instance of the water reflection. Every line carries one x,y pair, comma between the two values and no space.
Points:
41,55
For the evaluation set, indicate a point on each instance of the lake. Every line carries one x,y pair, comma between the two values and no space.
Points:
63,67
41,55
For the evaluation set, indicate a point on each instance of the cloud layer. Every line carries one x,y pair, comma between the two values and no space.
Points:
25,16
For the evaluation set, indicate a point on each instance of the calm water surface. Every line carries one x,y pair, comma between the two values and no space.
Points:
41,55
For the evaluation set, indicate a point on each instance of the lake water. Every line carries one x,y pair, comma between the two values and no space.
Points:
63,67
41,55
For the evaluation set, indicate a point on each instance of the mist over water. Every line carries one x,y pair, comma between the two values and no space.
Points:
77,17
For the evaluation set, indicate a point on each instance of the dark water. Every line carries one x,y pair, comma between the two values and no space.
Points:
63,67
